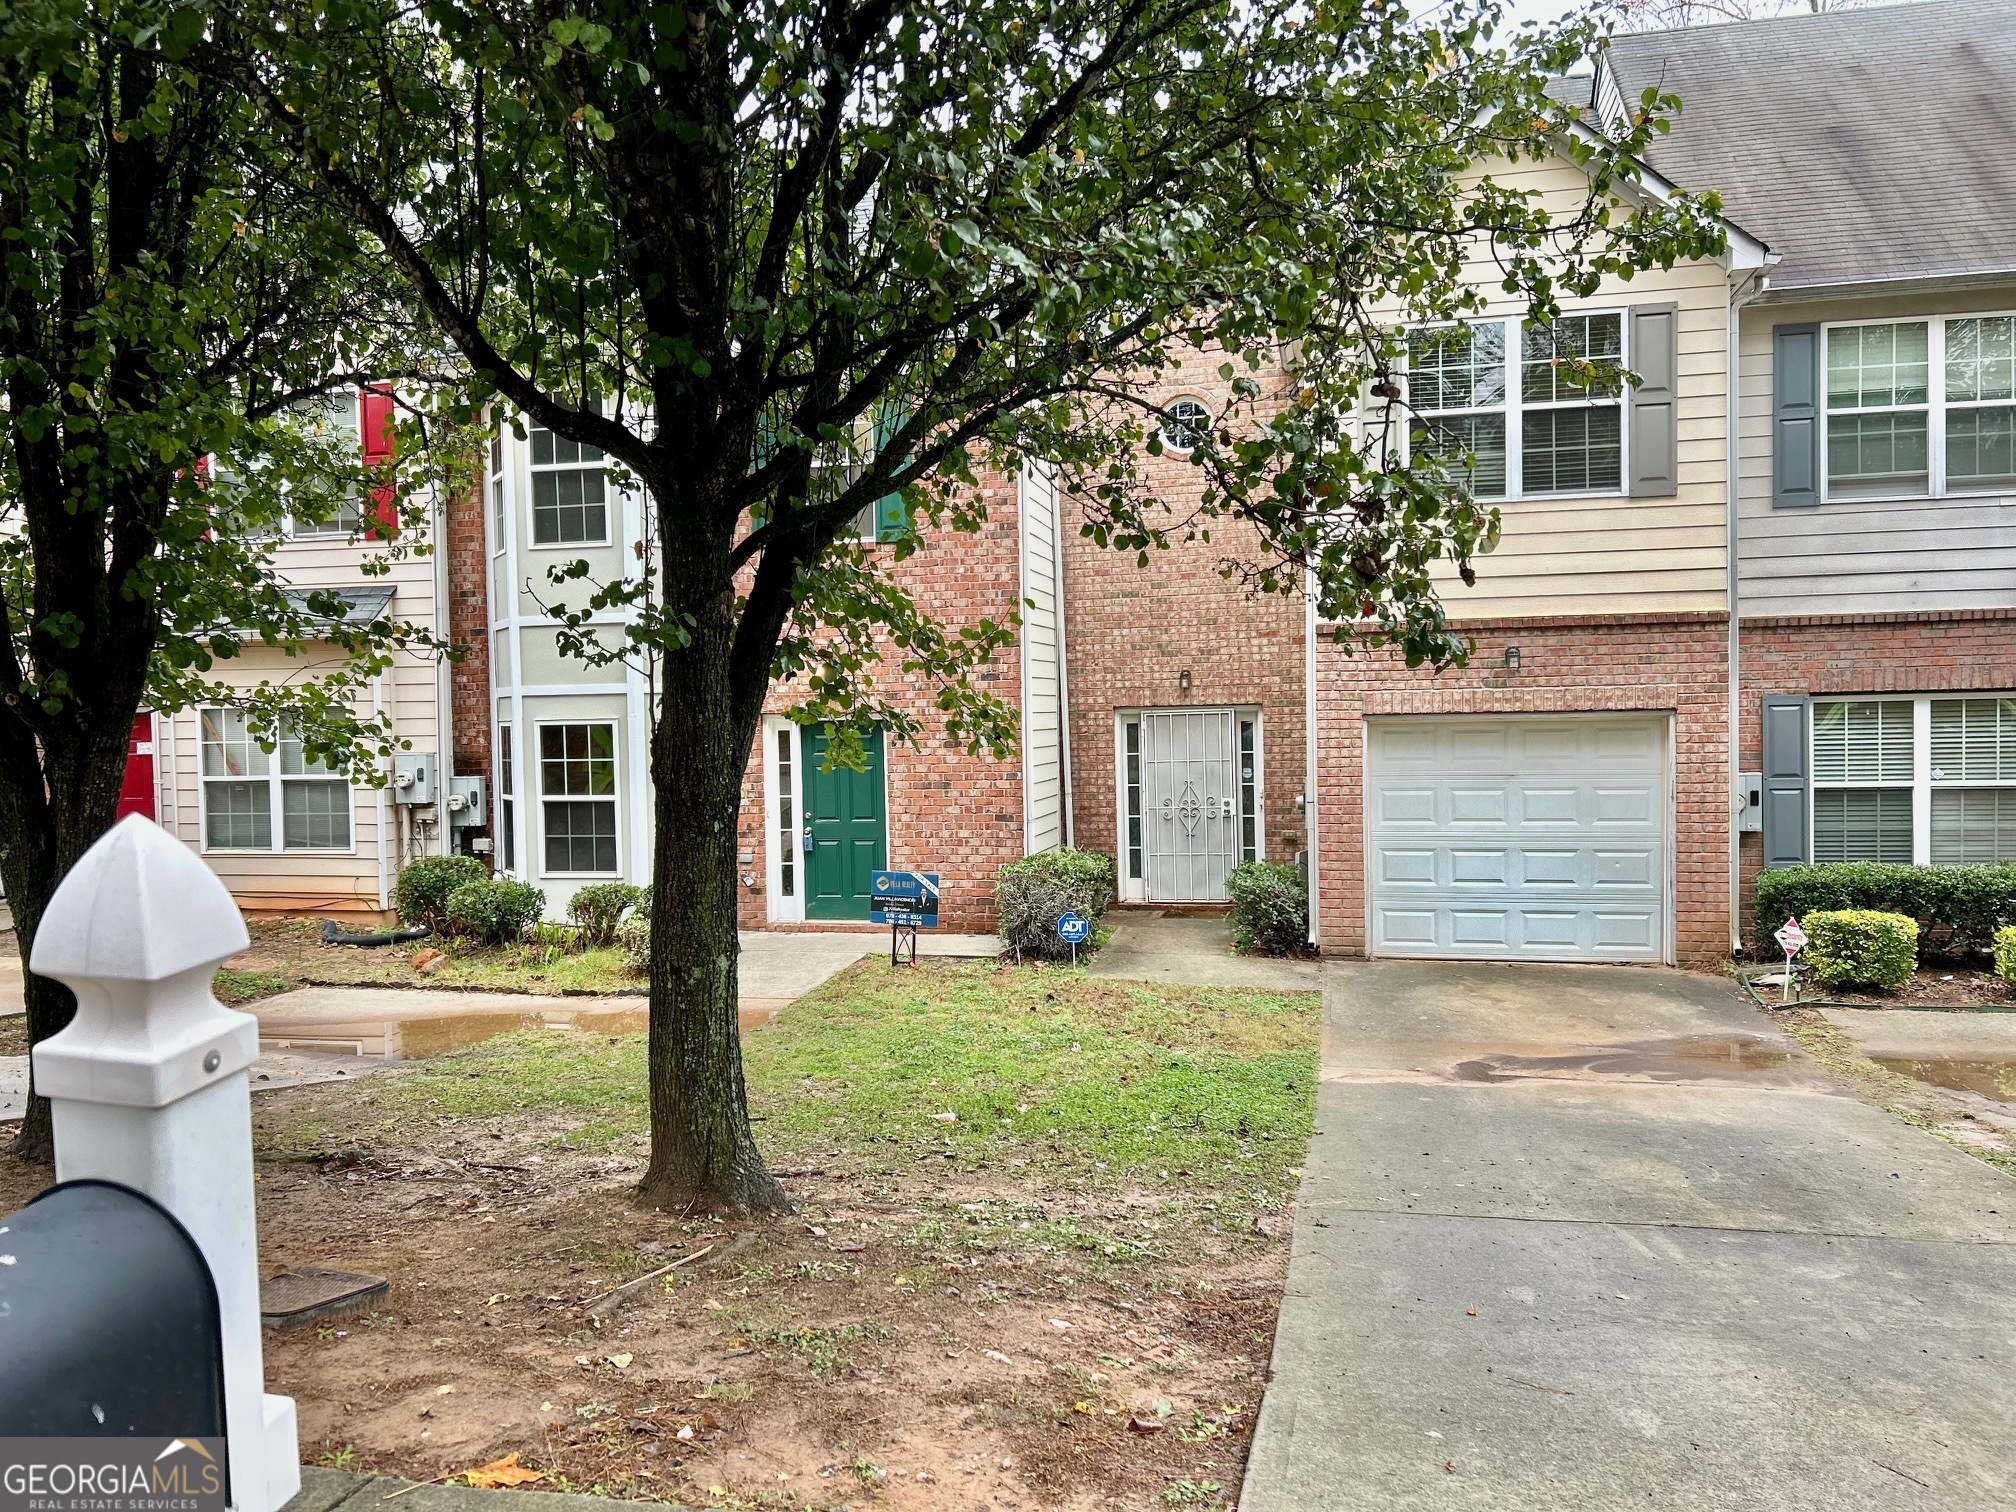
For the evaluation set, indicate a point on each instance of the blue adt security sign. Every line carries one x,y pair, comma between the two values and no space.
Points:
903,897
1074,929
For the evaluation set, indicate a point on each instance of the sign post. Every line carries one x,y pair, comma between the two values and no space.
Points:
1074,929
1791,939
906,901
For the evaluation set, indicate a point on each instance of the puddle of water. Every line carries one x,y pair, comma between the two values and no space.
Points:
423,1037
613,1021
1995,1080
1694,1058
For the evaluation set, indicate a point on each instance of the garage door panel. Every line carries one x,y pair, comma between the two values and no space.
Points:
1519,837
1406,868
1551,805
1467,867
1407,805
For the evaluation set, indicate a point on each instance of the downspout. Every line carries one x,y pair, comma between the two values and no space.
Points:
1063,658
444,691
384,878
1733,551
1310,869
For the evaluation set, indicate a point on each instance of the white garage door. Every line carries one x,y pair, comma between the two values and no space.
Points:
1542,838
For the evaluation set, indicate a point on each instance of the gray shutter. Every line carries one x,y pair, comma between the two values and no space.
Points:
1651,407
1795,422
1787,778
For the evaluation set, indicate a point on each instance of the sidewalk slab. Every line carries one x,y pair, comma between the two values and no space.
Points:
1193,952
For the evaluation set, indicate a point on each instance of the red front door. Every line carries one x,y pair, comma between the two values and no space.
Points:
136,793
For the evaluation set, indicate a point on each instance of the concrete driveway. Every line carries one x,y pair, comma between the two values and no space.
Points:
1598,1237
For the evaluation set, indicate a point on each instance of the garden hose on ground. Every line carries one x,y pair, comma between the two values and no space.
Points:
331,935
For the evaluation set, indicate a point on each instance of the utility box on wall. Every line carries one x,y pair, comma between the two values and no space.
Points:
1750,803
468,808
413,777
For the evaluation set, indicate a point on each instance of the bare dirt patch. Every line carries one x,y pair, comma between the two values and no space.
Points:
1935,987
991,1312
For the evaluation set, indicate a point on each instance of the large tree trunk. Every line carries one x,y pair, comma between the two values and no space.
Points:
56,798
703,1151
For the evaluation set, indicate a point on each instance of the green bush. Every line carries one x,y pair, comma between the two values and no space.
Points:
2005,953
1958,908
1270,908
495,911
599,908
421,894
634,936
1032,894
1860,947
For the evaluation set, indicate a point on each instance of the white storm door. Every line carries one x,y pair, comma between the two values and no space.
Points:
1544,838
1189,803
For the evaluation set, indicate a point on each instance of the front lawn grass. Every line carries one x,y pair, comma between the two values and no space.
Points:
1108,1081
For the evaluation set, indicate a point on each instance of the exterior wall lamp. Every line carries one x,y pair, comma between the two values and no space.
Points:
1511,658
1183,680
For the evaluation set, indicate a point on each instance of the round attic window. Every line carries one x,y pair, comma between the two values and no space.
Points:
1185,423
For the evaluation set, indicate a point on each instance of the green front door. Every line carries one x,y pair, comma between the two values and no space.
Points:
850,831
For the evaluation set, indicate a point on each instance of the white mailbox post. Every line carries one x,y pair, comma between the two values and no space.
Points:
148,1088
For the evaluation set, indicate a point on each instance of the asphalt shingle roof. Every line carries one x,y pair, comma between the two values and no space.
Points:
1859,144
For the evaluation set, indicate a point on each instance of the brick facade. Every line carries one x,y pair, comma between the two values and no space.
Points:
949,812
469,627
1962,650
1133,631
1667,663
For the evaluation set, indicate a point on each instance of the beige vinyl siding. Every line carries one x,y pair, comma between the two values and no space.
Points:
1865,556
1042,678
1608,553
316,881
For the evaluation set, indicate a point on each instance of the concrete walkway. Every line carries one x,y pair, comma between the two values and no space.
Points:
1197,952
1600,1237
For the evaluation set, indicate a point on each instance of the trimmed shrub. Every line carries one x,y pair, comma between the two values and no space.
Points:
1032,894
1958,908
1270,908
598,909
421,894
2005,953
633,935
1859,947
495,911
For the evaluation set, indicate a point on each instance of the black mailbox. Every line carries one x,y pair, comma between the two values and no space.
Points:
108,1320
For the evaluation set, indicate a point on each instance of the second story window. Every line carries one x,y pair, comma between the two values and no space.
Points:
1921,407
1559,429
335,420
569,492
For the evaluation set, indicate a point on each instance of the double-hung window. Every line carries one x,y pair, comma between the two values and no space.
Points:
258,800
577,791
335,422
570,498
507,800
1926,780
1554,427
1921,407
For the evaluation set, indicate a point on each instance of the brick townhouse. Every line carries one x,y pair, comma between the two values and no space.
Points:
1729,544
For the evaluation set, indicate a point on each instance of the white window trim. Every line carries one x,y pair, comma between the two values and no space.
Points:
541,798
1515,406
1162,430
1935,409
1922,784
276,811
778,908
610,500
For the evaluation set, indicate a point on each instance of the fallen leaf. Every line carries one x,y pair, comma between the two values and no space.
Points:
443,1390
1142,1424
995,1354
947,1117
1470,1312
622,1361
501,1473
685,1431
1084,1407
